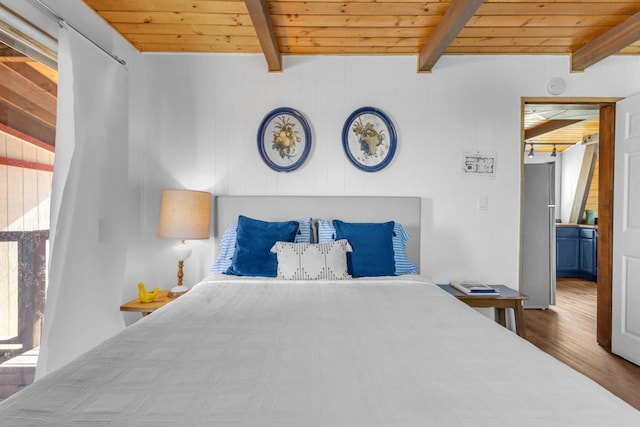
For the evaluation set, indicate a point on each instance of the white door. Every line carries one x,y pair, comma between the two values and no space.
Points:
625,337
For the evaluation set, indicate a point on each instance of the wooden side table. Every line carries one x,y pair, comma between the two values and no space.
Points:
147,307
509,298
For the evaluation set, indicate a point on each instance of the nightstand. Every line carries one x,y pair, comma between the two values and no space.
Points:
509,298
147,307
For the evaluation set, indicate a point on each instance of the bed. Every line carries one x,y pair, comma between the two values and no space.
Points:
369,351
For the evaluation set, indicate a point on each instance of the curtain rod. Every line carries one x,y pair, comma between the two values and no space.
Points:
56,16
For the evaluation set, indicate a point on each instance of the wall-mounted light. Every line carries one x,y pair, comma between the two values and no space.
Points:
530,155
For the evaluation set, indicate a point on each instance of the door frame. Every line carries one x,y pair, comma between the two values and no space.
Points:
606,153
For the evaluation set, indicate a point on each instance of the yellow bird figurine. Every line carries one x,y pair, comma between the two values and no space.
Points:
146,296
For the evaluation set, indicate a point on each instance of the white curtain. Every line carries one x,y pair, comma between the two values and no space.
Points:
88,204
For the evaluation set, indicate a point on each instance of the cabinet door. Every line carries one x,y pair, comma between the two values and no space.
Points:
595,255
567,255
587,251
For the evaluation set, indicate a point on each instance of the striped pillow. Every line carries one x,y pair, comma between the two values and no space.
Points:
327,233
227,248
399,240
312,261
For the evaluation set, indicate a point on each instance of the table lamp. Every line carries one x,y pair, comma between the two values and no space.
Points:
184,215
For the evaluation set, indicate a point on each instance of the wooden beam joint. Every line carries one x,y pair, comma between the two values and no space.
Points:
259,12
452,22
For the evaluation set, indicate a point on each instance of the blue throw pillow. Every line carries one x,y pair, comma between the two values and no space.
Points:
228,243
372,247
327,233
254,240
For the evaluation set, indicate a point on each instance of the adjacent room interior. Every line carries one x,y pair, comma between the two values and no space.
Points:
563,319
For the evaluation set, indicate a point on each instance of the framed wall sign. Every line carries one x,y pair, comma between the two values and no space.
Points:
369,139
284,139
479,163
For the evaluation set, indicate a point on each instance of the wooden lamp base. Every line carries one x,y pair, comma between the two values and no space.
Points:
179,289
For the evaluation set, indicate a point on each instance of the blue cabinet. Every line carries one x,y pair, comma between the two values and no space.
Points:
577,252
567,251
589,253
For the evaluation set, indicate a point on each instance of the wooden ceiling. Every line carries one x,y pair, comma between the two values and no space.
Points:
562,125
28,98
588,30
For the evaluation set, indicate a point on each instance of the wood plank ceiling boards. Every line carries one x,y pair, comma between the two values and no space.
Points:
28,98
559,124
28,87
587,30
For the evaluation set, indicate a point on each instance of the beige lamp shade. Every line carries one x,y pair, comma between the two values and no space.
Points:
184,214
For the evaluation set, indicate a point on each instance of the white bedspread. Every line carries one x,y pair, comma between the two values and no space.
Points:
366,352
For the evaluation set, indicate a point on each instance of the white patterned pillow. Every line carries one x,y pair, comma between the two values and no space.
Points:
307,261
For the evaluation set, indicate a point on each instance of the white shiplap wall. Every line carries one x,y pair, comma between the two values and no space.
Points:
24,206
571,164
197,118
24,193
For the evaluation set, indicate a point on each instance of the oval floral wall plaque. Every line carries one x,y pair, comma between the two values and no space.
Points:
284,139
369,139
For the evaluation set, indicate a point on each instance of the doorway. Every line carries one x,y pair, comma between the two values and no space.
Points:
595,116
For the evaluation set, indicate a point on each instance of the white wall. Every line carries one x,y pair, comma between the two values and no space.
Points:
571,163
201,112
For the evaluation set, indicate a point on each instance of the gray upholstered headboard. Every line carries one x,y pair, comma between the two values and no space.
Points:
405,210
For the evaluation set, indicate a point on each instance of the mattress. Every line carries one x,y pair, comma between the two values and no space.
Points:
365,352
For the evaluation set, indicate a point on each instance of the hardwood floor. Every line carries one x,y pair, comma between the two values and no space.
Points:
567,331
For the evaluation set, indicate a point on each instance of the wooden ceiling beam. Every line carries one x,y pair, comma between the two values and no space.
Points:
452,22
28,101
27,138
607,44
20,121
21,103
547,127
29,73
259,12
41,92
8,52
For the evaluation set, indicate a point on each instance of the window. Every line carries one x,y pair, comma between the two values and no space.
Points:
28,100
